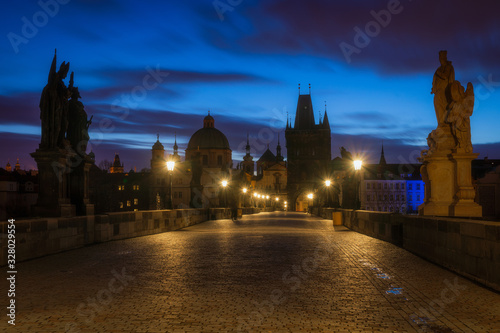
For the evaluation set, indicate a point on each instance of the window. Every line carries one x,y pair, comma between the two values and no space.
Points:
410,197
418,187
385,186
391,197
121,204
410,186
418,197
136,187
402,186
136,201
397,197
379,186
367,186
391,186
121,187
397,186
128,203
219,160
379,198
180,195
367,197
403,197
385,197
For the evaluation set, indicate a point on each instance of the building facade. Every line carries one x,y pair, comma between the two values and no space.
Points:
308,153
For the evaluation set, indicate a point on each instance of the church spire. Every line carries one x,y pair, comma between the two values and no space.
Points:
382,156
247,147
279,158
326,122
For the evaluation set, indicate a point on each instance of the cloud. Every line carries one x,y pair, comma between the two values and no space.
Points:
408,44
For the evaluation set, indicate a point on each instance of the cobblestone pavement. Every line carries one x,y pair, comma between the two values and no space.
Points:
272,272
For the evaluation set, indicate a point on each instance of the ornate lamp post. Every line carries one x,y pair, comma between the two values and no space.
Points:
327,184
170,168
224,185
244,197
310,196
357,168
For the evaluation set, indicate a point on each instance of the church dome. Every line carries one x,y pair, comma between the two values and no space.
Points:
208,137
158,145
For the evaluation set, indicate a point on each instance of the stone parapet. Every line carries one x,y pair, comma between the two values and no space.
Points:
468,247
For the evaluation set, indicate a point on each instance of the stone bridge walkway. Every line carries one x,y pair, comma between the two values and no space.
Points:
272,272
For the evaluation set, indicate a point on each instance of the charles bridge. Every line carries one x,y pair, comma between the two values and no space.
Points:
268,271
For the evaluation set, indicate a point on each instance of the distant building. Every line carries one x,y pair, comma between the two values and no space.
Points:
210,158
117,166
486,176
394,188
309,153
18,191
271,178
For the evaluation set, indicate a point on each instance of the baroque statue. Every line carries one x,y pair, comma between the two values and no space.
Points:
78,127
443,77
54,107
460,110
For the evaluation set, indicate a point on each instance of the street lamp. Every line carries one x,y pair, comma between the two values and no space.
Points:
328,183
357,165
310,196
224,185
244,198
170,168
357,168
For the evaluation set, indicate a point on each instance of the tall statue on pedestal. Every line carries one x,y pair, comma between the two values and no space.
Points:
446,165
63,164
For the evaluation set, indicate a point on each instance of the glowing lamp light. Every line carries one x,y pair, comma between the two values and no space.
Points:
244,190
357,165
267,197
277,199
310,196
255,194
328,182
224,183
170,165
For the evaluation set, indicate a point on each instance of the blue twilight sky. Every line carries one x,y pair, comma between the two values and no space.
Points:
158,66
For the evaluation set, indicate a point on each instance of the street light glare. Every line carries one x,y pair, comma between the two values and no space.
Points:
244,190
224,183
310,196
328,182
170,165
357,164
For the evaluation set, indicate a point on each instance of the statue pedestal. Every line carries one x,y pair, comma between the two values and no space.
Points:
53,193
448,185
